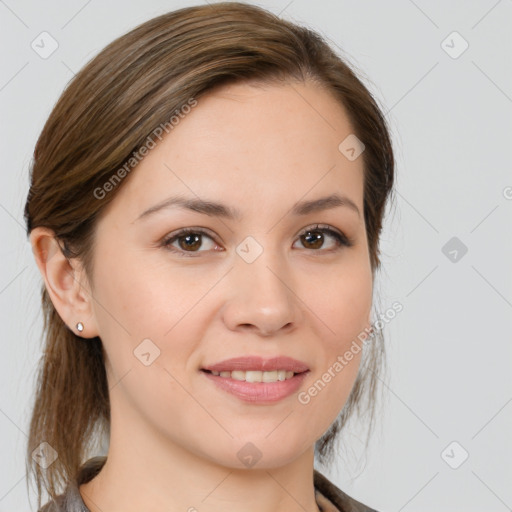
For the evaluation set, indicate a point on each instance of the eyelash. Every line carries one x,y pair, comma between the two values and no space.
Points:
341,239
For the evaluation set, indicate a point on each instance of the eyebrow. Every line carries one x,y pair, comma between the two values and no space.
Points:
215,209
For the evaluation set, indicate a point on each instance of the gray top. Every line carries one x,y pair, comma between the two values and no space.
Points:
329,498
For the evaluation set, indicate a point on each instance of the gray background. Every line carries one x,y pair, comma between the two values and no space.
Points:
449,349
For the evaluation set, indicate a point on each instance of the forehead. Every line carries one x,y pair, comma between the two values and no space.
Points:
252,147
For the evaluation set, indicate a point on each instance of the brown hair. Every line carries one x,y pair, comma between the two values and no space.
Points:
105,114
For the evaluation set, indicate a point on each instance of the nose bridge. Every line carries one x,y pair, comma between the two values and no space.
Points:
261,264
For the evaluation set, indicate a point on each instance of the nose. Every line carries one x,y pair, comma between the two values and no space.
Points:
261,297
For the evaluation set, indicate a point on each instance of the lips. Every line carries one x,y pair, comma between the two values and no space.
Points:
256,363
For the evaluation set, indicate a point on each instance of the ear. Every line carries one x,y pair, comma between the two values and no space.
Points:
65,281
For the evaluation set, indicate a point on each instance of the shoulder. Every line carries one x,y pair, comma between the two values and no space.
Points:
342,501
71,500
53,506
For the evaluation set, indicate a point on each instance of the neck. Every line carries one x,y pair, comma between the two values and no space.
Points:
147,472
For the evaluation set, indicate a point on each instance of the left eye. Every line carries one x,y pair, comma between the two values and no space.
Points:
190,239
315,236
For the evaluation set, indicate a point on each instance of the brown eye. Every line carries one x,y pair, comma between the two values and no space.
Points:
188,240
192,242
314,238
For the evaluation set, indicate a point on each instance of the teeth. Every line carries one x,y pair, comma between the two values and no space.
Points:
257,376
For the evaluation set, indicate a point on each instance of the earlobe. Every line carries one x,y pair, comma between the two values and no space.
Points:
65,282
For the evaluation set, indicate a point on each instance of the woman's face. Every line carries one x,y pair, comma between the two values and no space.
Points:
255,285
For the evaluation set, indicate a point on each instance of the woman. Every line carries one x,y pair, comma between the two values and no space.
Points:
205,208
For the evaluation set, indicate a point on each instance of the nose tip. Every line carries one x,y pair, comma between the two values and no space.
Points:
263,302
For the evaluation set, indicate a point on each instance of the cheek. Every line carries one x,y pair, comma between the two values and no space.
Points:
342,307
140,300
325,394
343,350
343,301
143,322
146,313
155,396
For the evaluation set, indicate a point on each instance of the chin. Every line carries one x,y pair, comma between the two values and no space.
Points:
257,452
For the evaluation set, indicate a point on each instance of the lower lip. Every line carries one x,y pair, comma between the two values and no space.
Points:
258,392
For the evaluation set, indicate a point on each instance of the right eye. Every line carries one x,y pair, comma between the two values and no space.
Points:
189,240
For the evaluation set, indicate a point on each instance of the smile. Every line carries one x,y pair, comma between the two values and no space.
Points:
256,376
257,390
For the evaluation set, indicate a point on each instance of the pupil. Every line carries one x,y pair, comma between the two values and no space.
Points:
195,240
315,239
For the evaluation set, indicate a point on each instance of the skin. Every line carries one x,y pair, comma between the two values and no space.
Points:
175,435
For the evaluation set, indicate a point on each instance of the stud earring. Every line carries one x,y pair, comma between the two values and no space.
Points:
79,326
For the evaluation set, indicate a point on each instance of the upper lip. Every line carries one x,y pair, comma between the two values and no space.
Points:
257,363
